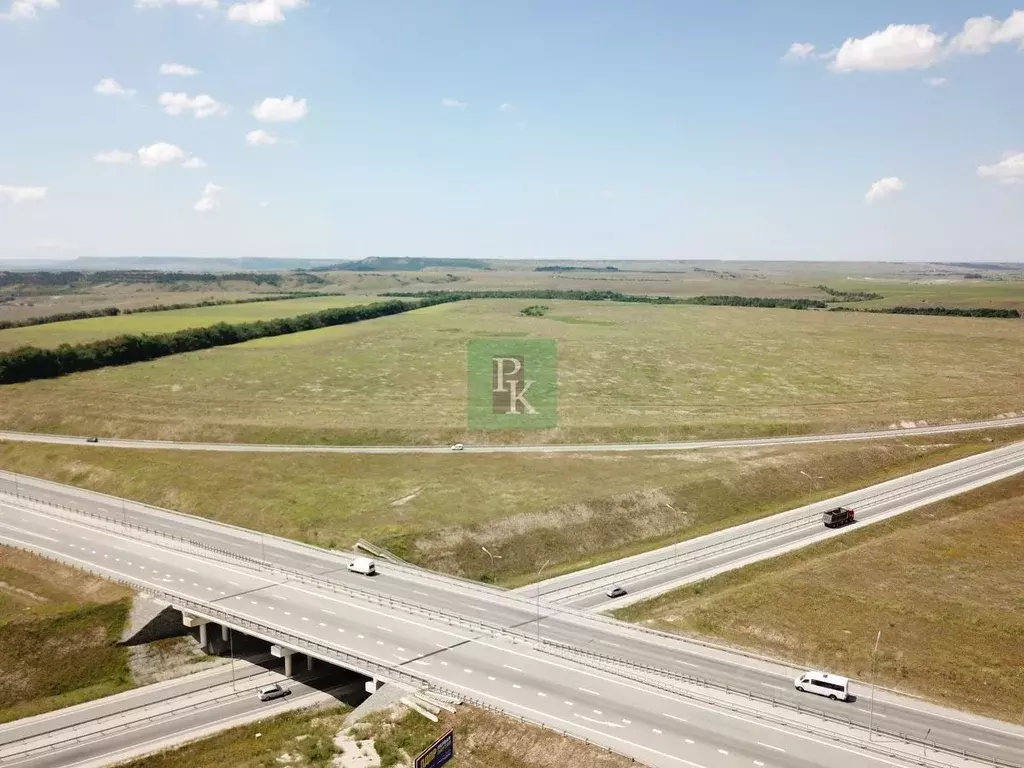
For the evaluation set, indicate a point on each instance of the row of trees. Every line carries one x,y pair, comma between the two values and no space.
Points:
948,311
728,301
849,295
31,363
103,277
83,314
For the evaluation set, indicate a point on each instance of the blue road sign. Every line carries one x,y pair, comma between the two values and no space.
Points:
438,753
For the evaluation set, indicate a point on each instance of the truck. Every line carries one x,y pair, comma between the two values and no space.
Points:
834,518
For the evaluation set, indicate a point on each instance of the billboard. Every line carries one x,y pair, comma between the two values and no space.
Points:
438,753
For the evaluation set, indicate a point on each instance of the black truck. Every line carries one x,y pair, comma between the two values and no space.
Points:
834,518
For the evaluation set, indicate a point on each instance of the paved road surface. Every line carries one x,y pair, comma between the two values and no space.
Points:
509,674
652,573
32,437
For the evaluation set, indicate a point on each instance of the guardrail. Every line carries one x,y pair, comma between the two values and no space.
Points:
388,672
650,675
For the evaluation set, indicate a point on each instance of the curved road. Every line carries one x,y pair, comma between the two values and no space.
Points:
686,445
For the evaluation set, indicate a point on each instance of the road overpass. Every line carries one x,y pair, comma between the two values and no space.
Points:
478,642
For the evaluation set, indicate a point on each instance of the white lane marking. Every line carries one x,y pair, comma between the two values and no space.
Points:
568,703
492,679
361,637
424,594
673,717
340,629
36,535
986,743
443,663
868,711
253,602
380,642
722,752
695,666
542,694
289,613
776,687
270,607
385,629
769,746
627,722
191,570
467,671
234,583
758,763
476,608
609,642
400,648
598,722
587,690
514,669
690,741
332,613
655,730
305,618
422,663
516,685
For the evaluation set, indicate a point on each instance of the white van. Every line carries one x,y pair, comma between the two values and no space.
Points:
824,684
363,565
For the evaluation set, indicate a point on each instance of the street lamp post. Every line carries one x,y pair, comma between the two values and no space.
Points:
538,596
231,645
491,555
675,544
871,716
811,480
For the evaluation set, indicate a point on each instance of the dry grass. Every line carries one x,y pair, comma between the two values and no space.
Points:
625,372
59,629
944,585
438,510
307,740
485,740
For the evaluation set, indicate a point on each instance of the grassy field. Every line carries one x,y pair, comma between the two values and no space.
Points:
943,584
938,293
625,372
58,634
438,510
95,328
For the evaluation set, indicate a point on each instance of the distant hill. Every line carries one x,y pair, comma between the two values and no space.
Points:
161,264
401,264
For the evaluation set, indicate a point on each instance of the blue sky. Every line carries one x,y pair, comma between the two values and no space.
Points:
653,129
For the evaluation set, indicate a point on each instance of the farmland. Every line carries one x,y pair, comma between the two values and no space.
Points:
942,583
96,328
625,372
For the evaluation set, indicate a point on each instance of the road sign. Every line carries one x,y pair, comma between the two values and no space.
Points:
438,753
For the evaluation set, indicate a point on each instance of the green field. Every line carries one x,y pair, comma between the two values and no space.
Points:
95,328
625,372
58,636
1006,294
943,584
439,510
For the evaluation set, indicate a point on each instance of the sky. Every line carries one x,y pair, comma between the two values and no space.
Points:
554,129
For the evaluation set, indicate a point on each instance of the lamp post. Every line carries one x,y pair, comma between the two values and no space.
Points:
871,716
538,597
491,555
812,479
675,544
231,645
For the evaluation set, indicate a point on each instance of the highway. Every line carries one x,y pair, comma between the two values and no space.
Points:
454,648
687,445
652,573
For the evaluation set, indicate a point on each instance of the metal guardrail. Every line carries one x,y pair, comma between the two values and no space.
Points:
386,671
650,675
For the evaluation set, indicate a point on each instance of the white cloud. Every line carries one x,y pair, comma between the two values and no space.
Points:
26,9
201,106
799,51
178,69
110,87
982,32
506,107
114,156
210,199
883,188
262,12
210,5
260,138
446,102
194,162
1009,170
22,194
935,82
898,46
161,154
286,110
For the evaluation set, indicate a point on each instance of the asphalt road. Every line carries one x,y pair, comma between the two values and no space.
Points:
510,674
32,437
652,573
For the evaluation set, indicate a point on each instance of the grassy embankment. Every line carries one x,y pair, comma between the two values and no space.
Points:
625,372
943,584
59,630
439,510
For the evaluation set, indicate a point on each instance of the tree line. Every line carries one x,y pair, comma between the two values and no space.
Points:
849,295
84,314
102,277
947,311
31,363
726,301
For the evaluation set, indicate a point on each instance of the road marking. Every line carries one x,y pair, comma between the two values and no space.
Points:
986,743
599,722
514,669
877,714
443,663
191,570
289,613
723,752
253,602
769,746
516,685
587,690
655,730
598,712
234,583
568,703
695,666
324,625
332,613
690,741
305,618
776,687
340,629
758,763
609,642
380,642
384,629
542,694
627,722
401,649
270,607
422,663
492,679
681,720
468,671
361,637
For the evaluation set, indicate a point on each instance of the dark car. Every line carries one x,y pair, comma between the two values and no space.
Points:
834,518
93,440
615,592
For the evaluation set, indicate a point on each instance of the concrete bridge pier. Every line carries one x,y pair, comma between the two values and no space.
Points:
196,621
281,652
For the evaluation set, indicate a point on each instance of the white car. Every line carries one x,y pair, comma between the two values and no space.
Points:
615,592
458,447
270,692
824,684
363,565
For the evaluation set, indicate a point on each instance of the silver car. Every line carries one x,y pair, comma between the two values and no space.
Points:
269,692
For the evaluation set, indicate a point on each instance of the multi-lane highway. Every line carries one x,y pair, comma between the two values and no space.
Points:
652,573
755,442
448,642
